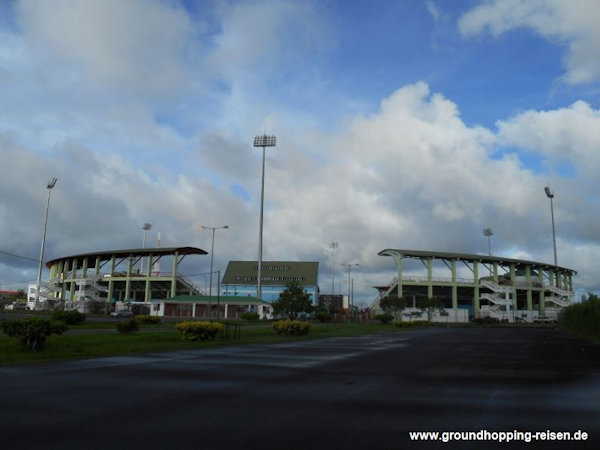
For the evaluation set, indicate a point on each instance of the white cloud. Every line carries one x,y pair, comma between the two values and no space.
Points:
132,46
566,135
575,23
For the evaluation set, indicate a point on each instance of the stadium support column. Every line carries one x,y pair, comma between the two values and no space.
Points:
542,292
148,288
128,279
399,265
495,272
84,267
513,279
174,279
111,286
529,293
65,275
476,289
454,288
429,277
73,276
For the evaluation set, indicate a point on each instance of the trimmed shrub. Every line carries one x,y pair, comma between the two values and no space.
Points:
384,318
68,317
250,317
323,316
290,327
199,331
413,323
147,319
33,331
127,326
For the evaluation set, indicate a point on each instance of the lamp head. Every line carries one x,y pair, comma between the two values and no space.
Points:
52,182
146,226
549,193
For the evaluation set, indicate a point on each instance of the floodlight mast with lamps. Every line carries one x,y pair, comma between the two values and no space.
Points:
489,233
212,251
262,141
49,186
146,227
550,195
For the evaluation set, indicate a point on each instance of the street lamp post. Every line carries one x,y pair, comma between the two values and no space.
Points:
550,195
262,141
49,186
349,266
333,246
212,250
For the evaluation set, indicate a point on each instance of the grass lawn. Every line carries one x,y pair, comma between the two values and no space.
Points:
157,338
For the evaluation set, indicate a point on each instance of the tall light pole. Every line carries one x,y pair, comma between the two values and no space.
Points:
212,251
333,246
49,186
146,227
262,141
489,233
349,266
550,195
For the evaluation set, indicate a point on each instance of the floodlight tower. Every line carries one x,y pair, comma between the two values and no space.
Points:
262,141
550,195
146,227
49,186
489,233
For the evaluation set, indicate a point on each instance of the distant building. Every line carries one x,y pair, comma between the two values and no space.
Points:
205,307
329,302
240,278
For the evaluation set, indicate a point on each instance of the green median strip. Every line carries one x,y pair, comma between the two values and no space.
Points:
158,338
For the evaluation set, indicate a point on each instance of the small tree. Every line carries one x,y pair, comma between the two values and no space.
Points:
32,331
430,305
393,305
293,300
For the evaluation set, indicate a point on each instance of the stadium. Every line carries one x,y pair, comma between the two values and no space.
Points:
506,289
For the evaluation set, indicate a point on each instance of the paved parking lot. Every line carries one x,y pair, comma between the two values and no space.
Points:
362,392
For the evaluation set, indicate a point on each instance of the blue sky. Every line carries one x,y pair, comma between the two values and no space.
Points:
408,124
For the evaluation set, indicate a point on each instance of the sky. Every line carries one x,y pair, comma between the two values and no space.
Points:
408,124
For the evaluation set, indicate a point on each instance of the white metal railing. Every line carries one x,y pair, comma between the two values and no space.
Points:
437,279
496,300
496,287
557,290
558,300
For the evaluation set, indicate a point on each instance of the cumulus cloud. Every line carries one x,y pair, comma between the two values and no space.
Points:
574,24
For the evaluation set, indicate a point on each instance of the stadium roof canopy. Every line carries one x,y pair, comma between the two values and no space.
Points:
136,252
469,257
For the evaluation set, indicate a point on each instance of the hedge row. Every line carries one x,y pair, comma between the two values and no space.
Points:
583,318
290,327
413,323
199,331
147,319
69,317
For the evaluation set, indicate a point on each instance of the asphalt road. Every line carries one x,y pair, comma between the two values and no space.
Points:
343,393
